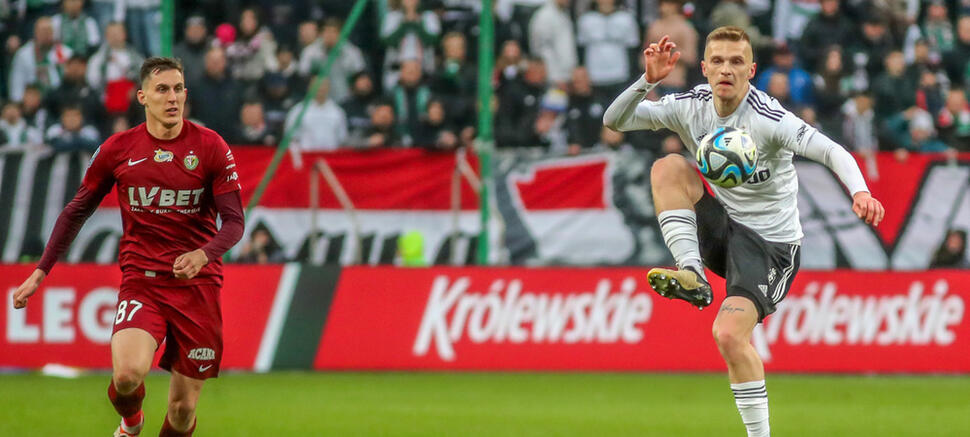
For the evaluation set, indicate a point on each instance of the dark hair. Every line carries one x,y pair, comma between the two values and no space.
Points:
158,64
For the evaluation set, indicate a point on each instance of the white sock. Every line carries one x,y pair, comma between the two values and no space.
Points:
679,228
752,401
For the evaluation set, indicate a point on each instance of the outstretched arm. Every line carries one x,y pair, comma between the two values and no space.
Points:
822,149
626,113
65,229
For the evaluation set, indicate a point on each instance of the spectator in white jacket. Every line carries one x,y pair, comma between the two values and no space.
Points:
38,61
551,38
608,36
324,125
409,34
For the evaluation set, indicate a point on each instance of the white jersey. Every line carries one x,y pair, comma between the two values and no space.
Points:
766,203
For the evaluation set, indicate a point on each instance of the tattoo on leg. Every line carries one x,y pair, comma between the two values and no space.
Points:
727,308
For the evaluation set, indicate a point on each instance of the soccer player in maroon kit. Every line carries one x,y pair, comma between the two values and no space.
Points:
173,177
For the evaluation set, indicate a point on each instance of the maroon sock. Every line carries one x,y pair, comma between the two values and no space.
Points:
126,405
168,431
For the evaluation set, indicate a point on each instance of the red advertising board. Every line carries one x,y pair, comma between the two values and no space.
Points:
69,320
608,319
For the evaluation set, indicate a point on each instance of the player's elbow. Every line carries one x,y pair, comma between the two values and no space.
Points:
612,122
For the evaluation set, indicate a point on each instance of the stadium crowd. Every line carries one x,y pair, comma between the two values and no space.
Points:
872,74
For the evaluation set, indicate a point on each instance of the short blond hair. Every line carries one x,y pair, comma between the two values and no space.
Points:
728,33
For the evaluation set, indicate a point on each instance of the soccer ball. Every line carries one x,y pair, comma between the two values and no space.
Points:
727,157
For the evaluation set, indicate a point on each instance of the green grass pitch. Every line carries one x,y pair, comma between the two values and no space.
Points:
500,405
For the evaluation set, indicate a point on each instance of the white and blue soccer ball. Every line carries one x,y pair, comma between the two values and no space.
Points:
727,157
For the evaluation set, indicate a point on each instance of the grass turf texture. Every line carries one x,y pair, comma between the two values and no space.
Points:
501,404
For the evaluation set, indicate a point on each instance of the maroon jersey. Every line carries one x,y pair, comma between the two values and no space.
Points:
166,190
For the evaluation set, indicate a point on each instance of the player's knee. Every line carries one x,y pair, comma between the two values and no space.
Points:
728,340
669,169
127,379
181,411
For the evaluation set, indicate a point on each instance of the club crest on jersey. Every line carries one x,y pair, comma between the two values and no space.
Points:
163,155
191,161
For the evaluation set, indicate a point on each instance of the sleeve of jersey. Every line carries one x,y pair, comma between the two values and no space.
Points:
631,112
810,143
69,223
224,176
100,172
230,209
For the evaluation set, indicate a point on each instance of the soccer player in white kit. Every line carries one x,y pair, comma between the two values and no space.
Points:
749,234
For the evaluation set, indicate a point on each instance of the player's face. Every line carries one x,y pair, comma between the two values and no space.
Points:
163,95
728,66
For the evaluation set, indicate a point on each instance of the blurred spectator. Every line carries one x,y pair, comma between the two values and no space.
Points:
893,91
435,132
191,50
922,59
75,29
105,12
33,108
858,130
72,134
143,18
74,90
938,29
114,69
14,130
957,59
518,106
874,44
915,132
833,85
510,63
215,93
549,129
119,124
38,61
522,12
324,125
952,253
791,17
411,99
286,65
253,53
585,114
800,86
609,38
953,121
408,34
260,249
252,126
307,33
361,103
610,139
735,13
671,144
381,131
673,22
349,61
277,98
930,93
455,82
830,27
779,87
551,38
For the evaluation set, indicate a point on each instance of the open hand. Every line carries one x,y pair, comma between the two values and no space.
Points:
867,208
659,59
188,264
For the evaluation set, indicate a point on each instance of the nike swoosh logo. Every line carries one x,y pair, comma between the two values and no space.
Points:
131,163
204,368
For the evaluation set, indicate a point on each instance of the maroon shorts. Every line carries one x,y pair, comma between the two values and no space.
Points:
188,318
